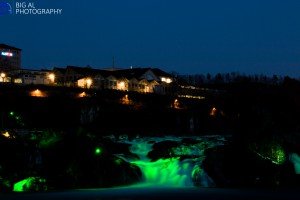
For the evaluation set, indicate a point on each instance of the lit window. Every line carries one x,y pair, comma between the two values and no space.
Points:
121,85
166,80
18,80
89,82
51,77
7,54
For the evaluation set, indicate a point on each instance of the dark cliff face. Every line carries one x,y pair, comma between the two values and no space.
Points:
242,109
106,111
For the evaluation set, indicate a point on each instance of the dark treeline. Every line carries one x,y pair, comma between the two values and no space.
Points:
219,78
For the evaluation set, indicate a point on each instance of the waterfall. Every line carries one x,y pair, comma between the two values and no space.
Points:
173,171
165,172
295,159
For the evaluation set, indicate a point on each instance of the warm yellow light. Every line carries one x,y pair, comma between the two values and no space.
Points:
18,80
3,75
37,93
121,85
51,77
125,100
147,89
89,82
213,111
176,104
166,80
6,134
82,94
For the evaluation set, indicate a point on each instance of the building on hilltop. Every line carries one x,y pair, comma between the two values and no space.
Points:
59,74
146,80
10,58
32,77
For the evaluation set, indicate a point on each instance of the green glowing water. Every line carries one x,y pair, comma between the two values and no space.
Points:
30,184
173,171
295,159
165,172
21,186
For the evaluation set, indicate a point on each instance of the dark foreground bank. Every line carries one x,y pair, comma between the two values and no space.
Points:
160,193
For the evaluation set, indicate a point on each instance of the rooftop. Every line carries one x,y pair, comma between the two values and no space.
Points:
5,46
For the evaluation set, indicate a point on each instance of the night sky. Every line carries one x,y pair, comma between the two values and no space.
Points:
192,36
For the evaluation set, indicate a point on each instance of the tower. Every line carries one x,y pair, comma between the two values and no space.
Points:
10,58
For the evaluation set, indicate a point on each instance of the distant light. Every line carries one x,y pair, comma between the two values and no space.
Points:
166,80
89,82
82,94
11,113
6,134
8,54
3,75
191,97
98,151
213,111
37,93
52,77
125,100
18,80
147,89
176,104
121,85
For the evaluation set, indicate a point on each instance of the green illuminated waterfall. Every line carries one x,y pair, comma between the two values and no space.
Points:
182,168
165,172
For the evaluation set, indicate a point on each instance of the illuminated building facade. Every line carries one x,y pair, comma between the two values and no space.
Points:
32,77
144,80
10,58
